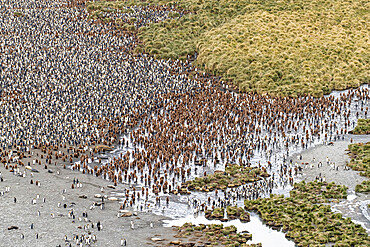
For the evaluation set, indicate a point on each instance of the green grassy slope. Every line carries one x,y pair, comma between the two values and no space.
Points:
279,47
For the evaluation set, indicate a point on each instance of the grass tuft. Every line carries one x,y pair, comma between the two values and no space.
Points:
362,127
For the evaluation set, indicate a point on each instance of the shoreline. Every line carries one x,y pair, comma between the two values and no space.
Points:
338,153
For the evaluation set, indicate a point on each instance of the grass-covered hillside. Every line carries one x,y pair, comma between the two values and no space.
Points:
280,47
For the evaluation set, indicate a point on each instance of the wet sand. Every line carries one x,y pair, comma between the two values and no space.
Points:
51,231
337,153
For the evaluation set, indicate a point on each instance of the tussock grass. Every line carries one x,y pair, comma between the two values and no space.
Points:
234,176
307,220
296,52
216,235
362,127
232,213
360,153
18,14
278,47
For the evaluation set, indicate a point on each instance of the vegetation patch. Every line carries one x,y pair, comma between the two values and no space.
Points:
216,213
232,213
279,47
360,153
292,48
308,222
362,127
18,14
215,235
319,192
233,176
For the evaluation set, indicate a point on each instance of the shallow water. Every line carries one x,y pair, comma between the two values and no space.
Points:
356,208
260,232
365,209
